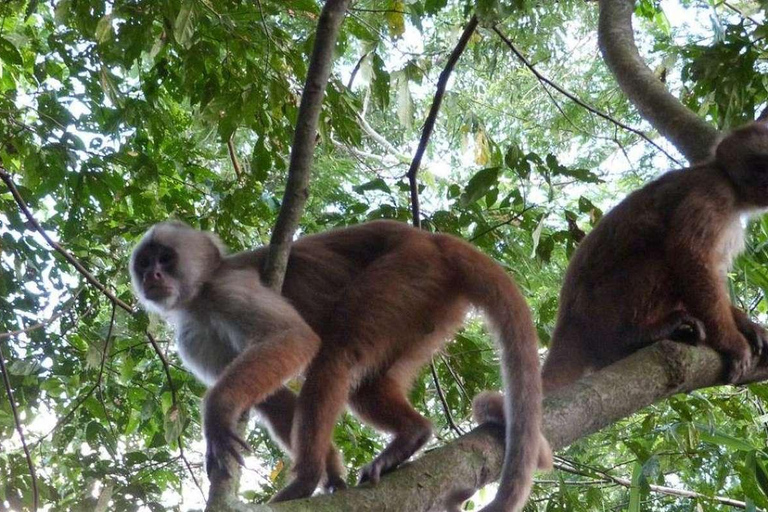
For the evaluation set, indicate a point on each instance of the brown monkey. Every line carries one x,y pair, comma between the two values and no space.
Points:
363,308
655,266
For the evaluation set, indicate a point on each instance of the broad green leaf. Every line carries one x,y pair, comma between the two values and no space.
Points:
184,26
9,54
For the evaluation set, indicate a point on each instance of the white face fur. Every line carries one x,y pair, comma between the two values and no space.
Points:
195,255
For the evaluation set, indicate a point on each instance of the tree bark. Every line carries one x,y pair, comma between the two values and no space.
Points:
475,459
303,147
690,134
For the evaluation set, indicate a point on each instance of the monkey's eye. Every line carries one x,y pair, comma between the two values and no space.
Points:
142,262
166,258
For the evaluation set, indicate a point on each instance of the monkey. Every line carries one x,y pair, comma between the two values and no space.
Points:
362,309
655,267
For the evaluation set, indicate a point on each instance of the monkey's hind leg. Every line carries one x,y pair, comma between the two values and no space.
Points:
382,403
677,326
278,411
321,400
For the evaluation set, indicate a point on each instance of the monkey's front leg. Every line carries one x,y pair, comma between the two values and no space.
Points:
321,400
251,377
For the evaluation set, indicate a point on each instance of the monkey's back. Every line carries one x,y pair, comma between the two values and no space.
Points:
321,266
620,277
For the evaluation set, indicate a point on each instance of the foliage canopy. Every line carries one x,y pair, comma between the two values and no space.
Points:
119,114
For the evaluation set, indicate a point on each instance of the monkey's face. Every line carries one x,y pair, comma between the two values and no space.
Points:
744,155
154,274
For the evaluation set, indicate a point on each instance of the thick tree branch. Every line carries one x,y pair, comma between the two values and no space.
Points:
302,149
475,459
429,124
690,134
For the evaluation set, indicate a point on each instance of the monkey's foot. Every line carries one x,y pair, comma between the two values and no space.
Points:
756,335
689,330
220,444
740,361
334,483
398,451
301,487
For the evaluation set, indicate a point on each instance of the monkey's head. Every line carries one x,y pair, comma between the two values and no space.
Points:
170,264
743,154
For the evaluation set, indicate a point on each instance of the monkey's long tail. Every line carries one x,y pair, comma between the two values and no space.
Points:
487,286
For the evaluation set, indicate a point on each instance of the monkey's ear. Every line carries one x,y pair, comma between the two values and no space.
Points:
745,150
216,241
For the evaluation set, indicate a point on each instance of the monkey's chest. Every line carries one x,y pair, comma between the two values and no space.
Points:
207,346
730,244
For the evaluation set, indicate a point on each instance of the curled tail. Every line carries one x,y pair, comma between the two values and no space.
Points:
488,287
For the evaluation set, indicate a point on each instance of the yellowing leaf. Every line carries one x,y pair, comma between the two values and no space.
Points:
276,471
104,28
395,18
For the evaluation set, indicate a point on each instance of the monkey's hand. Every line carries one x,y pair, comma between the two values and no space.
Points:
222,441
755,333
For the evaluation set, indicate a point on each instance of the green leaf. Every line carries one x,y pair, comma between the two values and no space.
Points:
184,26
761,474
9,53
479,185
716,437
375,184
634,490
104,28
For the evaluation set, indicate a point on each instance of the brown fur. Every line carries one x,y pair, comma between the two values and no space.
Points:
654,267
363,308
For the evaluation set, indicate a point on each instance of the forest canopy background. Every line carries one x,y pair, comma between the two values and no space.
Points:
116,115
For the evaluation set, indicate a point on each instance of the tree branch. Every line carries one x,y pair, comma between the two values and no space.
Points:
690,134
429,124
233,157
475,459
661,489
302,149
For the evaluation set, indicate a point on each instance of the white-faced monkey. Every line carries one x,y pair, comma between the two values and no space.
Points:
362,309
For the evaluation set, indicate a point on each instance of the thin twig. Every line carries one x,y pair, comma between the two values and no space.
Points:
741,13
175,404
456,377
379,138
661,489
233,157
356,69
510,220
17,422
104,353
444,403
6,177
544,80
429,124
